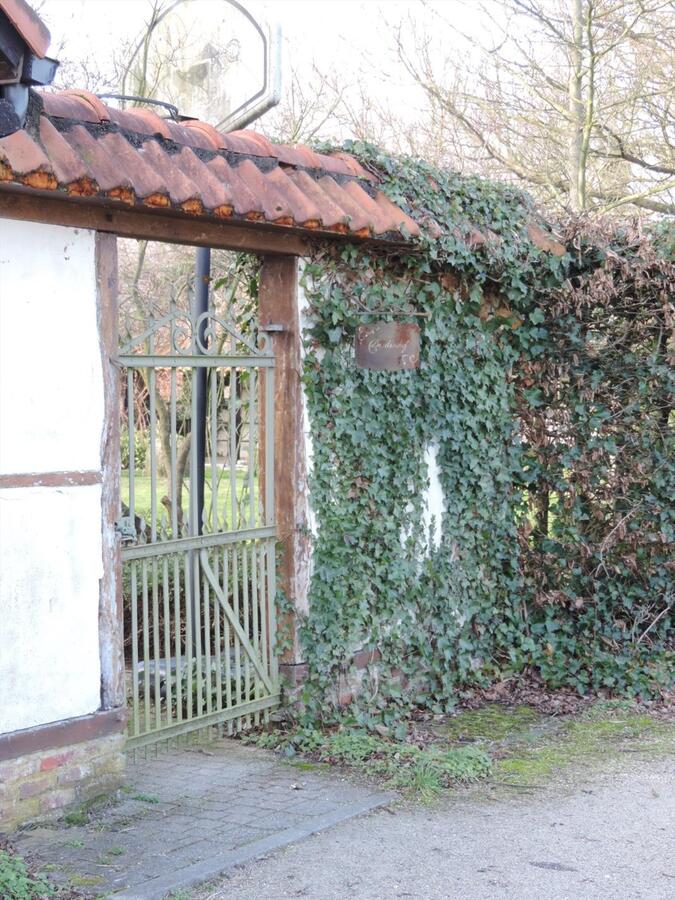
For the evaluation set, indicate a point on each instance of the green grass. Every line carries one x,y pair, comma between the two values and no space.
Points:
143,496
423,771
145,798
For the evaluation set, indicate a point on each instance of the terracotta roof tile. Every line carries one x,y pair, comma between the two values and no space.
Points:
187,137
273,203
244,200
29,25
346,165
333,215
357,215
67,165
88,150
145,181
379,220
212,192
214,138
304,210
297,156
396,216
249,142
178,186
544,241
100,167
22,155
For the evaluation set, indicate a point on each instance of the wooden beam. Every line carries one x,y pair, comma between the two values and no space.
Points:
279,306
148,224
61,734
50,479
110,609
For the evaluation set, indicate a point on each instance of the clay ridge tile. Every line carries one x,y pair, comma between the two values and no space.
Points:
91,101
249,142
186,138
64,106
140,121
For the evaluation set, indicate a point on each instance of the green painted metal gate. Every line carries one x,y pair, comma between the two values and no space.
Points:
199,584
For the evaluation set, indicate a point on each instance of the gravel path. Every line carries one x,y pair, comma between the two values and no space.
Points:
610,835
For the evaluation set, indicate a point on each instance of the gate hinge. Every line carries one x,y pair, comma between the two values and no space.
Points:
126,529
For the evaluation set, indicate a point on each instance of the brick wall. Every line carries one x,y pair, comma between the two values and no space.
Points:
43,785
363,665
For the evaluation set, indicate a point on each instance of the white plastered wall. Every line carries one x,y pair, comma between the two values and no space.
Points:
51,420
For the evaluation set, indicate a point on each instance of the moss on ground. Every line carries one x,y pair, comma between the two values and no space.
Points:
515,746
600,735
491,723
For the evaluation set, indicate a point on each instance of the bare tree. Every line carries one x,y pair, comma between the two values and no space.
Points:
573,97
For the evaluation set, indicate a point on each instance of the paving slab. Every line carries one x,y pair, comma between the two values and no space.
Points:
191,814
592,836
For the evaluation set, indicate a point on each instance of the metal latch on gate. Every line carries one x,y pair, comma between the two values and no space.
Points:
126,529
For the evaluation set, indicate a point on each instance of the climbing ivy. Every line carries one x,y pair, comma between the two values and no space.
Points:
542,392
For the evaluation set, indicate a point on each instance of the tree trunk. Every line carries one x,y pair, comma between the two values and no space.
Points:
576,175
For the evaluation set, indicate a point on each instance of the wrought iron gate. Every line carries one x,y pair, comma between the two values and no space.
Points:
198,527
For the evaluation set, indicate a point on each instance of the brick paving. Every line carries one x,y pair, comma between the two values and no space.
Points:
190,814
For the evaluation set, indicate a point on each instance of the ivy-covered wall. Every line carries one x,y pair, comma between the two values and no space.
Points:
544,391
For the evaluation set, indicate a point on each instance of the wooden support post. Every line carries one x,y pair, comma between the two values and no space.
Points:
279,306
111,616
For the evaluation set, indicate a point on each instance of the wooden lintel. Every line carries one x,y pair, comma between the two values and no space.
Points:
148,224
50,479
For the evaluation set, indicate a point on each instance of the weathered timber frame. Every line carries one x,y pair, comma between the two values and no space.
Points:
279,306
110,611
279,248
151,225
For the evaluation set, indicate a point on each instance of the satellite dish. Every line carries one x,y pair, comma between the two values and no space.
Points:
212,59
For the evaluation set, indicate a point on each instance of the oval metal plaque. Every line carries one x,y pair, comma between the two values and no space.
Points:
387,345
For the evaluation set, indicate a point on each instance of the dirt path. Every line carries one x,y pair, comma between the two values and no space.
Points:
606,835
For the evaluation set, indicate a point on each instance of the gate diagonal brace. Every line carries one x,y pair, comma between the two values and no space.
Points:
234,622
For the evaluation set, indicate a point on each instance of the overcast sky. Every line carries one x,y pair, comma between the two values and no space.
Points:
351,37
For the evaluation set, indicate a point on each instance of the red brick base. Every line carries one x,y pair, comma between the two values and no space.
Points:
43,784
